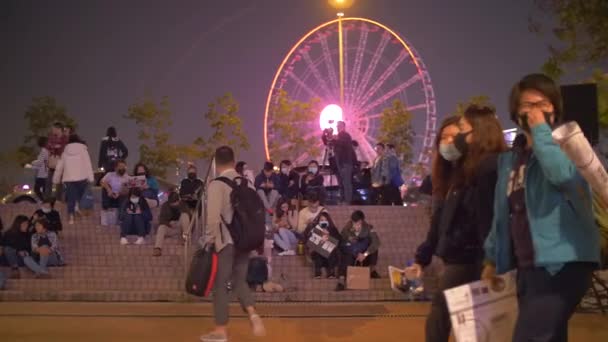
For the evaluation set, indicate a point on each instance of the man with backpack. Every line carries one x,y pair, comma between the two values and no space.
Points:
233,234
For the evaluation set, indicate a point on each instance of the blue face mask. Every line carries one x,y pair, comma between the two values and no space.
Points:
449,152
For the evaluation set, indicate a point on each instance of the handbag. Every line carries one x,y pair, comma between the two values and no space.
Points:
87,201
357,277
202,272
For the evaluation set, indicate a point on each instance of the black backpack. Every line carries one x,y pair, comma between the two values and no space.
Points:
248,225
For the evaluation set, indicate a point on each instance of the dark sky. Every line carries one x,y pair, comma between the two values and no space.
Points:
98,57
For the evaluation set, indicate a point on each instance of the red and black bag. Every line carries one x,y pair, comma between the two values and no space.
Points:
203,270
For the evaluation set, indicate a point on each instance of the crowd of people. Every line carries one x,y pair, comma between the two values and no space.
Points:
495,209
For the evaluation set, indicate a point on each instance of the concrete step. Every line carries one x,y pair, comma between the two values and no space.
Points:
102,272
181,296
106,284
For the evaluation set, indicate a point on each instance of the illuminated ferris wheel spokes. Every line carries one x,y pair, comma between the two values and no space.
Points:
379,68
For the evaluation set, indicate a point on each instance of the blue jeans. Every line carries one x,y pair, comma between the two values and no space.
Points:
41,267
133,223
13,259
74,191
286,239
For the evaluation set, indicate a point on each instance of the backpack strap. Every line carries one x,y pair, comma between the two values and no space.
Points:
232,184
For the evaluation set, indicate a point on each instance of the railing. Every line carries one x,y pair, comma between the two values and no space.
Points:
198,223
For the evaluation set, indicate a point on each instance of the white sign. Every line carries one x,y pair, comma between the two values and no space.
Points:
484,313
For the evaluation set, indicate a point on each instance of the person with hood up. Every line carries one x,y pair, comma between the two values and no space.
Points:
75,171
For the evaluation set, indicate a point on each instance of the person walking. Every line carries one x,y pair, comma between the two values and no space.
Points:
232,263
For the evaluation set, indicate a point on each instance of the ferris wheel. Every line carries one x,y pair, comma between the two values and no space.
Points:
355,82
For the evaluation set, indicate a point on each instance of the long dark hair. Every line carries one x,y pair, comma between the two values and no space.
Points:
487,139
544,85
16,226
442,169
146,170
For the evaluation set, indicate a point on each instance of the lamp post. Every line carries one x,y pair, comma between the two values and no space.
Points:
341,5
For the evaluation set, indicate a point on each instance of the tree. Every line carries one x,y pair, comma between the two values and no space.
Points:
290,128
227,127
480,100
158,151
153,121
39,117
396,128
581,32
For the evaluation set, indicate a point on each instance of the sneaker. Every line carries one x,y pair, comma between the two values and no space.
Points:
140,241
331,275
340,287
157,252
15,274
214,337
124,241
374,275
288,252
257,326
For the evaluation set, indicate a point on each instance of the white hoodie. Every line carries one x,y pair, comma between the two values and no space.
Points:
74,165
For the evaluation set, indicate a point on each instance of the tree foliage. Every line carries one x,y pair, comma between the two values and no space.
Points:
396,129
290,128
580,31
227,127
480,100
154,120
601,80
160,153
39,117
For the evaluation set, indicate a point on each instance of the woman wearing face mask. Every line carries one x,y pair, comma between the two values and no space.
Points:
464,176
135,217
543,224
16,244
151,188
323,225
284,227
312,181
47,211
289,181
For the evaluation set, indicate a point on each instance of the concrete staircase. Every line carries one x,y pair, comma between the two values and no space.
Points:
99,269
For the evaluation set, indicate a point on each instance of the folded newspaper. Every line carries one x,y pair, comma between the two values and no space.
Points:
484,313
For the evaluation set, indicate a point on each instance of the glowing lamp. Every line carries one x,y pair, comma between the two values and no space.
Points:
330,115
341,4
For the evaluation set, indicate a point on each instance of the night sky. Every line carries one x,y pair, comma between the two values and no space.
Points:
98,57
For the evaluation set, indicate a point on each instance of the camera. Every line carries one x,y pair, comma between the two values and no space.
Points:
328,136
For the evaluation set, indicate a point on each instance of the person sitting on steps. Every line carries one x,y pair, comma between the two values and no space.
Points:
16,244
135,216
171,215
45,248
360,243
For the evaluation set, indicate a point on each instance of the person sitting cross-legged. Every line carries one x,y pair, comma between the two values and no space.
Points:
45,250
47,211
135,216
324,226
171,215
360,243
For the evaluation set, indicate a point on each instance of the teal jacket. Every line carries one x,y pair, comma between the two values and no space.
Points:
558,201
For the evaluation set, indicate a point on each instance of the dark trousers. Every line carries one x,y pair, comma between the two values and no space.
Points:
13,259
108,202
386,195
347,259
133,223
438,323
74,191
58,189
346,182
546,302
232,268
40,187
321,261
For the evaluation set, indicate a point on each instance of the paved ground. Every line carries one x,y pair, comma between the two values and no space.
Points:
150,322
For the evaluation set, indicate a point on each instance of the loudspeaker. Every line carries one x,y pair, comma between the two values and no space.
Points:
580,105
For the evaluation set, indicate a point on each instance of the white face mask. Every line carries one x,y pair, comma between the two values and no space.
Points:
134,200
46,210
313,170
285,171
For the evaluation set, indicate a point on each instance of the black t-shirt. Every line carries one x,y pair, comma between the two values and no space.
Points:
523,247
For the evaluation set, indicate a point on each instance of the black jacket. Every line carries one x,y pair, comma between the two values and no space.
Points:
289,191
189,191
111,150
17,239
462,221
53,218
343,149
